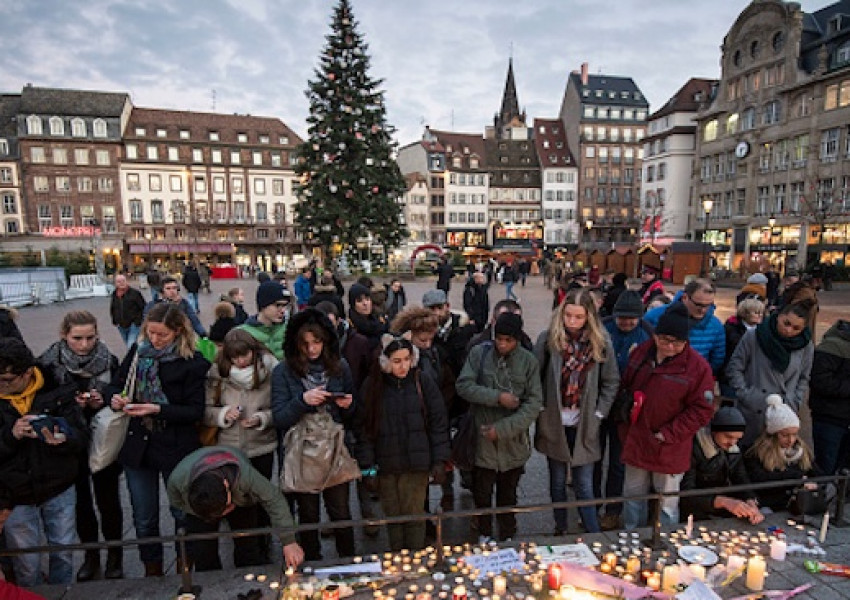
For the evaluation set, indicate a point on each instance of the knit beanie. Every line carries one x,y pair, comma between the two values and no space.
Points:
757,278
754,290
356,292
270,292
728,418
509,324
778,415
628,304
674,322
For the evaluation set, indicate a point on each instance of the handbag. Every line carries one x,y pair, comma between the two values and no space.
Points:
109,427
465,439
804,501
315,456
208,434
621,409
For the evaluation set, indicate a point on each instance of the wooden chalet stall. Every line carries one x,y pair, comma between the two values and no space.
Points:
598,258
621,260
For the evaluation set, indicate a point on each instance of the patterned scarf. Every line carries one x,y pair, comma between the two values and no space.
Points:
778,349
67,365
316,376
577,356
148,385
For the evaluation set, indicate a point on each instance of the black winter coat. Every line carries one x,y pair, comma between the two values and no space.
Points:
413,430
476,303
191,279
128,309
8,327
829,396
710,468
775,498
31,471
173,434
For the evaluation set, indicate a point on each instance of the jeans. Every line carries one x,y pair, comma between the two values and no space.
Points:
105,484
404,494
309,511
638,482
509,291
582,486
24,528
193,300
831,445
143,485
129,334
505,482
614,477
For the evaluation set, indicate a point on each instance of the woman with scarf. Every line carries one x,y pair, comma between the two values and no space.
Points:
161,387
239,405
580,380
315,377
773,358
362,317
779,453
81,359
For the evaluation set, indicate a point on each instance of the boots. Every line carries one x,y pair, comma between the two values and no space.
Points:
114,564
91,566
153,569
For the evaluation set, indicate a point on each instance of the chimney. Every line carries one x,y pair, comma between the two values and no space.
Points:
584,73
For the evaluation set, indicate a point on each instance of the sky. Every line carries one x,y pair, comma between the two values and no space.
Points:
443,62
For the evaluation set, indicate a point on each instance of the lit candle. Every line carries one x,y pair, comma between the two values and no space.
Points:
671,578
261,578
698,572
459,593
554,577
736,562
500,585
629,577
611,559
274,585
566,592
633,565
249,577
755,574
653,582
778,549
689,528
824,527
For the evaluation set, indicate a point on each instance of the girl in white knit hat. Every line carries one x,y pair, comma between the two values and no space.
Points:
779,453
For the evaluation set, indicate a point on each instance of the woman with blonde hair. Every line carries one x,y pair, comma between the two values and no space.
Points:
779,453
580,379
164,396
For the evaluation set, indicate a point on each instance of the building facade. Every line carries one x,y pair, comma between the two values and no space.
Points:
773,148
668,159
559,181
605,120
10,180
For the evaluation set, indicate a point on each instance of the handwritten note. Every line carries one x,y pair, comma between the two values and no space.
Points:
578,554
698,591
495,562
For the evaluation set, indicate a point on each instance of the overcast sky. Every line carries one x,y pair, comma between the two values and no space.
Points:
443,61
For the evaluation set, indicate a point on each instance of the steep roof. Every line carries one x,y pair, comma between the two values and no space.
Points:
517,159
818,32
609,90
200,124
77,103
510,103
550,141
464,145
9,109
689,97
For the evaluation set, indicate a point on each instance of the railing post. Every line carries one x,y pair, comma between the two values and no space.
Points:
841,499
186,586
438,526
655,520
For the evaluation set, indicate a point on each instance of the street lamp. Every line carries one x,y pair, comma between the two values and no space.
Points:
707,204
149,238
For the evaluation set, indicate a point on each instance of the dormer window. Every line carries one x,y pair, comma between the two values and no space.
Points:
834,25
78,127
214,136
99,128
34,125
842,55
778,41
57,126
473,163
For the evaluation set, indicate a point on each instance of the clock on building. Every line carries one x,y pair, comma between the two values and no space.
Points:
742,149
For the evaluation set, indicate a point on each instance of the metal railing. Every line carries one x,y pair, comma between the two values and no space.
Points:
180,539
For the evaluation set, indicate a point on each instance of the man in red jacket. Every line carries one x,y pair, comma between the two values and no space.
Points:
677,386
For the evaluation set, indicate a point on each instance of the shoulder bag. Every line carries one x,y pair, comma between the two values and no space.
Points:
109,427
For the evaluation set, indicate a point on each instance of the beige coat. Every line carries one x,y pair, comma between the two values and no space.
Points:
253,441
600,387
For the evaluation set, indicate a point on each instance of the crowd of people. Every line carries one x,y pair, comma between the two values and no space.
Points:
628,390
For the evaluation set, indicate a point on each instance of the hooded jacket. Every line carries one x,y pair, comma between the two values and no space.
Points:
706,336
476,303
830,382
271,336
249,487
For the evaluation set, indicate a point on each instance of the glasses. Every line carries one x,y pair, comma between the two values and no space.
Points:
700,305
666,340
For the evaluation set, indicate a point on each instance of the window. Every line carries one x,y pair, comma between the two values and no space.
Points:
800,150
140,131
63,184
81,156
748,119
152,152
803,106
257,157
66,215
157,212
161,133
755,49
260,186
173,153
133,184
154,182
10,204
34,125
773,112
842,55
778,41
844,93
590,151
175,183
242,138
197,155
239,211
137,215
200,184
104,184
277,187
57,126
236,185
710,131
214,136
276,159
830,100
60,156
37,154
99,128
235,157
829,144
84,184
78,127
131,151
662,171
5,175
216,156
264,138
218,185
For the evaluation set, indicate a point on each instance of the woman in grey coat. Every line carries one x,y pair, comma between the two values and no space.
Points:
580,380
774,358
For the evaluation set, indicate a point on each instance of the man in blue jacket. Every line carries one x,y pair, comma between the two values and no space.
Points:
303,289
706,333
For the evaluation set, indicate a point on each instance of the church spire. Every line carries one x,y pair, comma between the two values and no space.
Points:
509,112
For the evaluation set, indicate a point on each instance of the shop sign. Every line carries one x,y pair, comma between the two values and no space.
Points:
86,231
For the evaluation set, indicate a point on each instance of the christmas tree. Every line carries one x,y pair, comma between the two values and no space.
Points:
349,182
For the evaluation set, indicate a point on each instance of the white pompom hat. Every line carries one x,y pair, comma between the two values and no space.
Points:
778,415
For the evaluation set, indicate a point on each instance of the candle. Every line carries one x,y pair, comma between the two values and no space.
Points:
536,582
566,592
778,549
698,572
629,577
500,585
755,574
689,528
605,568
824,527
459,593
736,562
653,582
611,559
671,578
331,592
633,565
554,577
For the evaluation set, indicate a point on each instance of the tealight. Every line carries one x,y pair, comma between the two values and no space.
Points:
249,577
274,585
261,578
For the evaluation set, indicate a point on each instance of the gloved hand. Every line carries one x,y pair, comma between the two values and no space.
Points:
438,473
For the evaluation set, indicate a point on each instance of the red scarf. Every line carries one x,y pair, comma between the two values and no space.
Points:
577,358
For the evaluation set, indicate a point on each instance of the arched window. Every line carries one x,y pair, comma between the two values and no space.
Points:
34,125
57,126
99,128
78,127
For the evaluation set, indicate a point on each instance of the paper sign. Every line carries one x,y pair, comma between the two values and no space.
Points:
579,554
698,591
495,562
352,569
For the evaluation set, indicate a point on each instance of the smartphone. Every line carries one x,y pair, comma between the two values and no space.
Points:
51,424
337,395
